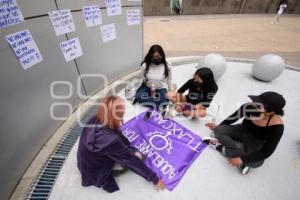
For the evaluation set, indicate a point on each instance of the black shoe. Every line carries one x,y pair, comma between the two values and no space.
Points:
134,101
147,115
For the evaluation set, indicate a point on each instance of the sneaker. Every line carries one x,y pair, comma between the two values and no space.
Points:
244,169
210,141
133,101
147,115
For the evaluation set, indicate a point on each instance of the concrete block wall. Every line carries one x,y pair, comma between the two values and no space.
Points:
204,7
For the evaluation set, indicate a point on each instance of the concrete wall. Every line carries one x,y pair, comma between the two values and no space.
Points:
202,7
157,7
25,120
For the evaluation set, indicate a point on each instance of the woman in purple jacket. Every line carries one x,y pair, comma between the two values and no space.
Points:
102,145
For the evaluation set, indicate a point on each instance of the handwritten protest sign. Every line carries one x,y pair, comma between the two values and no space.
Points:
169,147
133,17
25,48
108,32
71,49
10,14
92,15
62,21
113,7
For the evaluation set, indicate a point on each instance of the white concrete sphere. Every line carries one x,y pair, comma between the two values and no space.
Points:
216,62
268,67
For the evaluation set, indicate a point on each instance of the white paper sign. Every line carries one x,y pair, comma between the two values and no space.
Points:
108,32
71,49
113,7
62,21
92,15
133,16
10,14
25,48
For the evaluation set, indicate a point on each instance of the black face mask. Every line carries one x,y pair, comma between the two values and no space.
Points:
157,61
254,112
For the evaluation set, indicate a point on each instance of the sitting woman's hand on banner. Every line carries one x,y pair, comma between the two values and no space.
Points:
211,126
160,185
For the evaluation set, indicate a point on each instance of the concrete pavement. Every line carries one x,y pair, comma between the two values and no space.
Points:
246,36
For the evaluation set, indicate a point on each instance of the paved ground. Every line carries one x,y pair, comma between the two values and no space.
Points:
248,36
210,176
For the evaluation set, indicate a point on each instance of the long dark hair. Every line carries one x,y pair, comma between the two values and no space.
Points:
155,48
209,84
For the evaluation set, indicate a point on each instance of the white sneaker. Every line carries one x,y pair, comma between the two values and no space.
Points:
244,169
211,141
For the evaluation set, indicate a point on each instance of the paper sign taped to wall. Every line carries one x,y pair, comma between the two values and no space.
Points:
113,7
25,48
108,32
10,14
133,17
92,15
71,49
62,21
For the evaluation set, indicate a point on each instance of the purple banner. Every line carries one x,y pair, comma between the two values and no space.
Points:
169,147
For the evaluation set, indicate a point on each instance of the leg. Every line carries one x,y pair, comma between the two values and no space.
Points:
160,98
231,137
143,97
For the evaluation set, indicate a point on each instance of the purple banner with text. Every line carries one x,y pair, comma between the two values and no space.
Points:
169,147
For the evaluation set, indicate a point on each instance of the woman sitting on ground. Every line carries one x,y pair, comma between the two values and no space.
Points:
201,90
102,145
250,143
157,79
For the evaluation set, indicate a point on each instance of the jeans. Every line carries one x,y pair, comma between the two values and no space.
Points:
237,141
143,96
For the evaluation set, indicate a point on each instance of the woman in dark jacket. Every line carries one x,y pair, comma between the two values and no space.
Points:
248,144
102,145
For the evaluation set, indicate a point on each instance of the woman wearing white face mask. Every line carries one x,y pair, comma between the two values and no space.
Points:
248,144
157,79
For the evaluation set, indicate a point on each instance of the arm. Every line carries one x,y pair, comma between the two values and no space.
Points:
118,152
142,72
238,114
169,79
268,148
184,87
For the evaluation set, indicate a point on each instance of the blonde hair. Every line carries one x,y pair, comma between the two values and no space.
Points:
111,111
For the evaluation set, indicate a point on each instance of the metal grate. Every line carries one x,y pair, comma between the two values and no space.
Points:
44,182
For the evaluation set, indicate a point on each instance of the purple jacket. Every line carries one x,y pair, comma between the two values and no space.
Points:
99,149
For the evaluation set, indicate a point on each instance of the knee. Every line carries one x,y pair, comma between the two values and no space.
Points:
218,131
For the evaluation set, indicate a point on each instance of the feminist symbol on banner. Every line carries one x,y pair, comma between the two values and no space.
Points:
155,136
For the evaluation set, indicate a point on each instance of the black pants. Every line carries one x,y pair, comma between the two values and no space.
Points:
237,141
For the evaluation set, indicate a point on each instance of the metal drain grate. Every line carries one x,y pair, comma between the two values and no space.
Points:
44,182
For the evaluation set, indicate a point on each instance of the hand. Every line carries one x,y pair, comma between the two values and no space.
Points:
139,155
160,185
236,162
211,126
178,108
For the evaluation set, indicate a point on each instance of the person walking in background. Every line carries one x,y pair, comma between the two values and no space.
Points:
282,6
